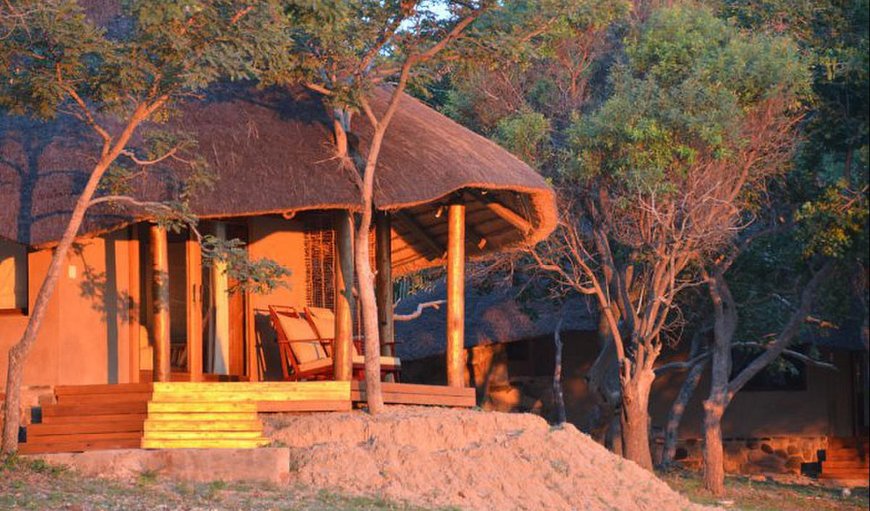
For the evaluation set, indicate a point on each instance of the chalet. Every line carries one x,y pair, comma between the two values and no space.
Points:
509,346
443,194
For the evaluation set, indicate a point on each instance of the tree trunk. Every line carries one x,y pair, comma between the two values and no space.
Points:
19,352
687,389
714,455
367,300
635,418
724,325
366,279
557,376
678,408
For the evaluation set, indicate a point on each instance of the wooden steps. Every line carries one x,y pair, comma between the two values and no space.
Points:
89,417
414,394
847,461
203,415
176,415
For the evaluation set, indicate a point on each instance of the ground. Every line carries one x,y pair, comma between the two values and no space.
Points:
32,484
26,484
752,495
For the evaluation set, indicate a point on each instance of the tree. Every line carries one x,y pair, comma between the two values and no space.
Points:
699,113
824,198
523,90
345,51
55,63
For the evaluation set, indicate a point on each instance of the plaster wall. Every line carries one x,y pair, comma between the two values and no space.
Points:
284,242
84,336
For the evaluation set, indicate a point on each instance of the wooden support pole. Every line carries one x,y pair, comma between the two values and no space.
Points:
194,309
160,294
343,345
384,281
456,296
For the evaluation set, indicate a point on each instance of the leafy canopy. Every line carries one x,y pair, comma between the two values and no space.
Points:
687,82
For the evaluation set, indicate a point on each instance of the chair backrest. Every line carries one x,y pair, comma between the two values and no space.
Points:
296,329
324,324
323,321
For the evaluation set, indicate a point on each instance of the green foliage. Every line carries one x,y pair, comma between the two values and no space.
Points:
525,70
348,47
56,62
526,135
685,87
167,48
835,224
255,276
827,191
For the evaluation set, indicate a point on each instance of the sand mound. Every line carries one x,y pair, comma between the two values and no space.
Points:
473,460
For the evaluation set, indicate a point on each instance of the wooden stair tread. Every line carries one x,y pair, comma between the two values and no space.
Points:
154,425
204,435
79,446
92,419
100,399
84,427
83,437
193,417
114,388
91,409
205,444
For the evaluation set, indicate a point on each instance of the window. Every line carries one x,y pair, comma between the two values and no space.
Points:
783,375
13,276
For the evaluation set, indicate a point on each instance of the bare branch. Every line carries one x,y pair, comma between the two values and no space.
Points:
436,304
791,353
145,163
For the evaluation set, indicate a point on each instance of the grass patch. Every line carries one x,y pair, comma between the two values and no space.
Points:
26,484
749,495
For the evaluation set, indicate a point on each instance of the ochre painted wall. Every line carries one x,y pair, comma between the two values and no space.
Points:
282,241
84,337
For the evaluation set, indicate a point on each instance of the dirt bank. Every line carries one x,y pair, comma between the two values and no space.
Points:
469,459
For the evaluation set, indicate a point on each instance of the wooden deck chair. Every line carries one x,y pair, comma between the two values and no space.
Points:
303,355
323,322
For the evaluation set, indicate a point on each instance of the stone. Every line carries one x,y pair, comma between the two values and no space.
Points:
767,448
793,449
781,453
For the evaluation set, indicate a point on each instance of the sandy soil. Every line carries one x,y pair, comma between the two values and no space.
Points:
468,459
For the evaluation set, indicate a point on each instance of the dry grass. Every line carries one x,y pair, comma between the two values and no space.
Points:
749,495
29,484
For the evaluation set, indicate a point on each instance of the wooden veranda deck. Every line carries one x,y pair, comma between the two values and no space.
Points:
198,415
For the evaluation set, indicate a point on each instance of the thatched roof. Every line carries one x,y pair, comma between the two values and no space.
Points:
246,136
271,153
491,316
